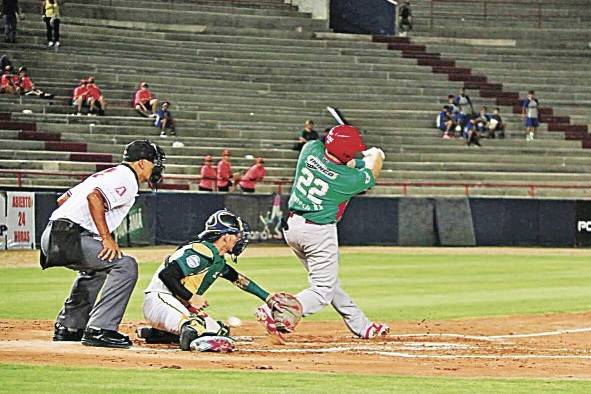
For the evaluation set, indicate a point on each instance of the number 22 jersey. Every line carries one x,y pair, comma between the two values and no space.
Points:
322,188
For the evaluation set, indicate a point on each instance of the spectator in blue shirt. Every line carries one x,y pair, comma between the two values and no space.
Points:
445,122
529,112
471,135
164,120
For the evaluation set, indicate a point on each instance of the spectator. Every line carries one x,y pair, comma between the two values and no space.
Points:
472,135
164,120
482,120
224,172
465,108
446,122
145,102
450,103
8,81
80,96
11,12
4,61
96,100
308,134
404,19
27,87
496,124
51,17
208,175
324,134
530,115
255,174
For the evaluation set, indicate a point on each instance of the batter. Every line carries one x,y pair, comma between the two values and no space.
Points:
326,178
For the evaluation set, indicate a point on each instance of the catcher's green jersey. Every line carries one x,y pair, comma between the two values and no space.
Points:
322,188
201,265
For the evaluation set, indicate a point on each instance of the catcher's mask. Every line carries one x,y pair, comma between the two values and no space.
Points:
144,149
225,222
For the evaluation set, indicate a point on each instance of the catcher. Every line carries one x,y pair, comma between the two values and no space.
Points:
174,300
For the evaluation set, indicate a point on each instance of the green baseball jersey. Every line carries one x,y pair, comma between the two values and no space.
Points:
322,188
200,265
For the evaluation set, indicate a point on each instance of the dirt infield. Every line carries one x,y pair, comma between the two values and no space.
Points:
548,346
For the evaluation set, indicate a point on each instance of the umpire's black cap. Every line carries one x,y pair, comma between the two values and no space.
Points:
142,149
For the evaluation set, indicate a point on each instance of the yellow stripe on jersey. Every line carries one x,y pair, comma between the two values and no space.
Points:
202,250
193,282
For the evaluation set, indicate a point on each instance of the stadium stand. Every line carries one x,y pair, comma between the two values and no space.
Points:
244,75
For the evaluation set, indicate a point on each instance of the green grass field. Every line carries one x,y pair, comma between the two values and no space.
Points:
388,287
43,379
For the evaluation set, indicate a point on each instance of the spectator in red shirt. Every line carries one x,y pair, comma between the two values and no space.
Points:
27,87
224,172
7,82
80,96
255,174
208,175
96,100
144,101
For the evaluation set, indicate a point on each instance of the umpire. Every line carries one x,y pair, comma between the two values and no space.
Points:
78,237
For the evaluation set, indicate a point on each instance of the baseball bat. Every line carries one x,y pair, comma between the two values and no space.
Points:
337,115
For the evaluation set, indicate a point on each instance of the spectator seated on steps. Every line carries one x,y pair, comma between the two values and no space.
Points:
8,81
307,134
446,122
164,120
80,96
496,127
482,120
144,101
26,87
471,135
95,99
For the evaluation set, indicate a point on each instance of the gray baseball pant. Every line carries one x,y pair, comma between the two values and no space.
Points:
317,247
116,279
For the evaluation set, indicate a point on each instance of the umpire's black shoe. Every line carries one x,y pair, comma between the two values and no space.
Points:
63,333
105,338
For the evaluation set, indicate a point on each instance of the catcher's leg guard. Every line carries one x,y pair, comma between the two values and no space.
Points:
190,331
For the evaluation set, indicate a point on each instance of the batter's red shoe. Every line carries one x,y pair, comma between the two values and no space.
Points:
264,316
376,330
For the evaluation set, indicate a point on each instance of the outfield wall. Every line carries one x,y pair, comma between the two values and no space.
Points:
173,218
176,217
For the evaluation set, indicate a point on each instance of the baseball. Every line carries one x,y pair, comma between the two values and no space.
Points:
233,321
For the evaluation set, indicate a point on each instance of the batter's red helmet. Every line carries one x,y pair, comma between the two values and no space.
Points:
343,142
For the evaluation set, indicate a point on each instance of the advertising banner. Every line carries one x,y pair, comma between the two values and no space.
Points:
3,227
20,220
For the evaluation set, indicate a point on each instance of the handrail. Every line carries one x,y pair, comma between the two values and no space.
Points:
280,183
485,8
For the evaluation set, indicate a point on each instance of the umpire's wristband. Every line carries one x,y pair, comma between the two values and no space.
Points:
359,164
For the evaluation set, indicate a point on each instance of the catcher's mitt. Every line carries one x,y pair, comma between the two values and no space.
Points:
286,311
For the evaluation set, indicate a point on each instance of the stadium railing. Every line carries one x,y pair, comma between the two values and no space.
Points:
280,184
